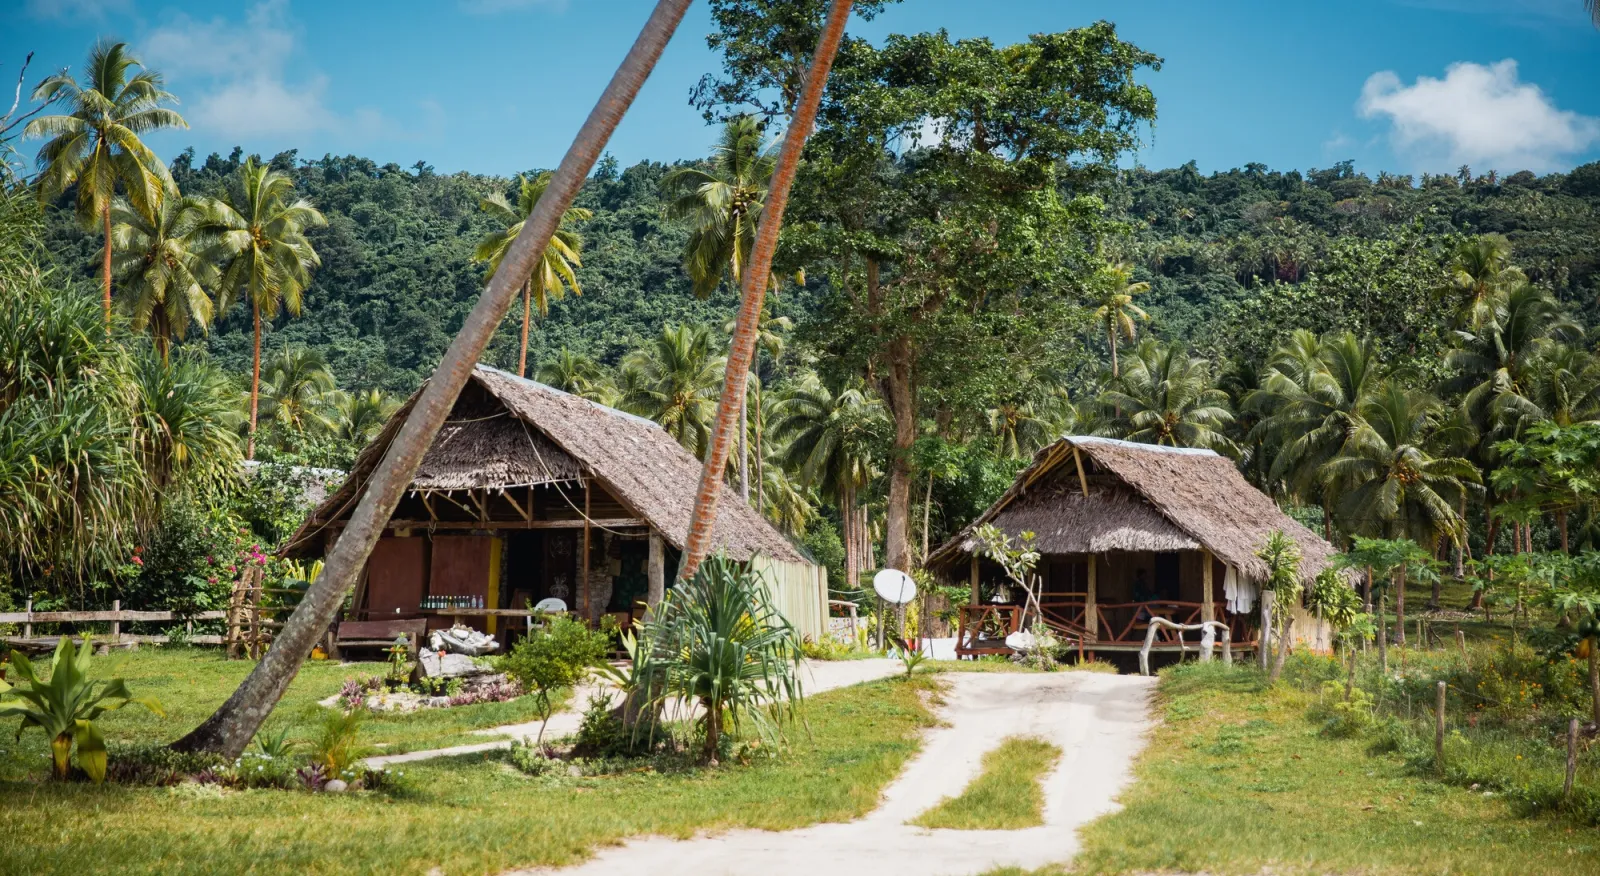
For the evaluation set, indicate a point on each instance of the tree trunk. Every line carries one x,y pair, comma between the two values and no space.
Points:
1594,678
744,448
847,523
1283,643
900,391
1561,526
1400,606
1490,531
927,506
761,464
753,294
713,730
255,385
1111,336
105,216
527,314
231,727
1438,583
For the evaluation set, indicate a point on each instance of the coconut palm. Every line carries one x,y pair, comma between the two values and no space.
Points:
257,235
296,389
1495,367
769,338
1480,269
1117,312
553,272
161,269
789,505
578,374
722,203
673,380
358,416
1389,484
1565,384
828,439
1168,397
1021,422
96,145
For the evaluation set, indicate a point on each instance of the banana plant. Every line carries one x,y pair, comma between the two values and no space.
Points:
66,706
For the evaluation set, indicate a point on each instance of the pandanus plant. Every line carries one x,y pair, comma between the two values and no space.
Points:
66,707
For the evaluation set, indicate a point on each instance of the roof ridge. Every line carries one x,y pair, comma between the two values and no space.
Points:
545,387
1139,446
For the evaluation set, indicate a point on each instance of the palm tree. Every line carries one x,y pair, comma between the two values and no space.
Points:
97,144
578,374
789,505
1565,384
1480,268
723,204
1117,310
187,419
160,266
1495,367
553,272
1594,10
1168,397
673,380
257,236
1388,482
828,439
769,338
1028,419
359,416
296,388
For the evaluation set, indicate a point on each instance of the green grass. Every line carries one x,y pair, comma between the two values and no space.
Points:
468,814
1237,780
1006,795
191,683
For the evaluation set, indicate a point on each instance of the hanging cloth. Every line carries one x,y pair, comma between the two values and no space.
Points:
1239,591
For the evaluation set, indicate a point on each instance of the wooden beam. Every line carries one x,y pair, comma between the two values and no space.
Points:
1208,608
1083,481
656,572
586,491
977,597
477,497
605,522
427,504
1091,597
527,513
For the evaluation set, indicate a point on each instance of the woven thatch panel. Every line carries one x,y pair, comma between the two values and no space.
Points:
1196,492
1064,521
499,451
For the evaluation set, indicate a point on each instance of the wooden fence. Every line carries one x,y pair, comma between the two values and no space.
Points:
116,617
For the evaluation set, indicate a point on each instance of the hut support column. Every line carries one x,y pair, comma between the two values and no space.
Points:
584,583
656,573
1208,607
1091,598
975,595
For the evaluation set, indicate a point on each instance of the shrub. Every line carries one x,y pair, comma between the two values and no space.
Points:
339,745
602,733
825,648
66,707
557,656
1341,719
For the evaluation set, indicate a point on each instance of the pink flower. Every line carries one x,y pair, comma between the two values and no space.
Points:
211,580
137,560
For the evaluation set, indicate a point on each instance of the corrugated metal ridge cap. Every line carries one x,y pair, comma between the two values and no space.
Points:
550,390
1136,446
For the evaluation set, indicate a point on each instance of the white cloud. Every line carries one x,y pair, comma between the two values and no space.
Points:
1481,115
244,89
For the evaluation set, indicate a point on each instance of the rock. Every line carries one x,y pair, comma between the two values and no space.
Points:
428,663
458,666
336,786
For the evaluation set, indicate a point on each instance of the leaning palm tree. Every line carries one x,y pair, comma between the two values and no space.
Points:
553,272
722,203
828,439
578,374
97,147
1168,397
358,416
1480,269
1388,482
673,380
160,267
769,339
1117,311
297,390
256,233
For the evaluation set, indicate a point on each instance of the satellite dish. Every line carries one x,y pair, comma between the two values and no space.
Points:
894,586
551,605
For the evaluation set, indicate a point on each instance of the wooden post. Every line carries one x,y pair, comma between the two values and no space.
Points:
1208,608
1461,642
1264,640
27,625
656,574
1091,605
1383,635
1438,729
976,596
1572,759
116,622
587,616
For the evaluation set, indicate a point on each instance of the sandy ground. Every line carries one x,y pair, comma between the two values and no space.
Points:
1098,720
817,677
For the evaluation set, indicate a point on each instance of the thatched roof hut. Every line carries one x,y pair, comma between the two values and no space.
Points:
1087,494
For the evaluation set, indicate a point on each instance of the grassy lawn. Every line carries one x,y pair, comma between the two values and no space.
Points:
1006,795
1236,779
191,683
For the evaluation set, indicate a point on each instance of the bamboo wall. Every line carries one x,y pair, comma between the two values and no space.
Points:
800,591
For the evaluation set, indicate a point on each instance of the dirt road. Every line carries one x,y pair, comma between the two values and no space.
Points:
1098,720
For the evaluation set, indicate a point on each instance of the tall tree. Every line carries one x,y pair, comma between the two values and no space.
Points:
722,204
1116,311
297,389
96,145
1480,270
161,268
770,340
673,380
554,272
1496,367
578,374
359,416
256,233
1168,397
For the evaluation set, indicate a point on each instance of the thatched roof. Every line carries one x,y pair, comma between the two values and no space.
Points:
1142,497
538,434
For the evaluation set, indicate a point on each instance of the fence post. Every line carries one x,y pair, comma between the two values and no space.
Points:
1461,642
116,620
27,625
1438,729
1264,640
1572,760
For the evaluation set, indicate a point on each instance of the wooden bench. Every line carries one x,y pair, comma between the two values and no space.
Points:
379,634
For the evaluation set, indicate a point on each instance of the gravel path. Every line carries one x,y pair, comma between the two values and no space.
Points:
817,677
1098,720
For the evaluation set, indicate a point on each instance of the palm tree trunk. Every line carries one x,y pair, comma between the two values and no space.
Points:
753,294
105,217
744,450
761,469
1111,336
847,517
1400,606
255,384
927,505
527,314
232,726
1491,530
1594,677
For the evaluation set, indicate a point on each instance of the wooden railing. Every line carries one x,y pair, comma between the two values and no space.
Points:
116,617
983,629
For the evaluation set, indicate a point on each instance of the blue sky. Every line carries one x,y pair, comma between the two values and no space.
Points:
497,86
